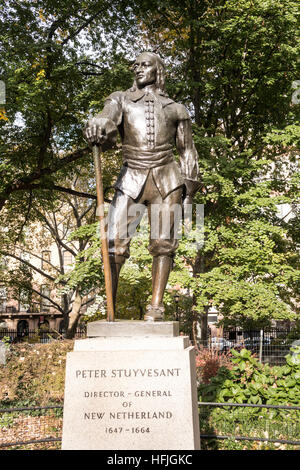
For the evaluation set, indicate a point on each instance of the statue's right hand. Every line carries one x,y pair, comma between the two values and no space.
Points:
95,132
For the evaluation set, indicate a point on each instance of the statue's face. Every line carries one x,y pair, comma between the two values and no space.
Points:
145,70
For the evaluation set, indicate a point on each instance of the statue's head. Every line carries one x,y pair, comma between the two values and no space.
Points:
148,70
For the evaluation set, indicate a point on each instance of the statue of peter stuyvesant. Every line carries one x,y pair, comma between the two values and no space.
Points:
150,125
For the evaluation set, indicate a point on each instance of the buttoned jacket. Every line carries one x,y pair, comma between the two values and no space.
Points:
150,126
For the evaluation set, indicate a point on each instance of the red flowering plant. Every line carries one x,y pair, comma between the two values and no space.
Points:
208,362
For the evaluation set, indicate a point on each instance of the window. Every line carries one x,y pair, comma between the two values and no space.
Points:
3,294
3,262
46,255
68,259
212,318
24,267
24,300
3,297
45,303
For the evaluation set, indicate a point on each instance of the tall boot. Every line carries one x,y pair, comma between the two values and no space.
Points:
116,263
161,268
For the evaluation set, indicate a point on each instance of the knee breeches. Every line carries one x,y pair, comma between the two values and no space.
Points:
164,215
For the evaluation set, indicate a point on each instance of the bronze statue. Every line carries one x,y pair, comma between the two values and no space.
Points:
150,124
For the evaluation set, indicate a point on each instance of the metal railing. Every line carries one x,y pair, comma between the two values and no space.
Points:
37,335
40,424
269,347
218,422
250,422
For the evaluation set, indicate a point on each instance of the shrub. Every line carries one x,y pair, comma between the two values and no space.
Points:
249,381
208,363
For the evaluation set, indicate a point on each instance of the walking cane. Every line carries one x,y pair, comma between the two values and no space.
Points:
104,245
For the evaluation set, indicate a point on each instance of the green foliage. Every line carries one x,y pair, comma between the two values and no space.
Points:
59,60
135,286
57,67
87,270
252,382
6,341
232,64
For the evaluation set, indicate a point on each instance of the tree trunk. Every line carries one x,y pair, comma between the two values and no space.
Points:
199,268
204,325
74,316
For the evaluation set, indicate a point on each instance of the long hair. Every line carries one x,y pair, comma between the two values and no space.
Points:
160,75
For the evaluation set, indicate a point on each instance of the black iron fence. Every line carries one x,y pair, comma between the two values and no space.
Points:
235,422
278,335
268,345
37,335
31,428
279,425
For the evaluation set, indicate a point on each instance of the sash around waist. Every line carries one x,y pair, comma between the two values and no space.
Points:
140,159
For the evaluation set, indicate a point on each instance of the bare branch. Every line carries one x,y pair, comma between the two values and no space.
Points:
26,217
74,192
26,182
85,62
47,298
42,259
56,235
84,25
94,74
18,258
86,211
88,301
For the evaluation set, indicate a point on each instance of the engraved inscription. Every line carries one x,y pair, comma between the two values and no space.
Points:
120,373
114,414
153,393
93,415
140,415
104,394
90,374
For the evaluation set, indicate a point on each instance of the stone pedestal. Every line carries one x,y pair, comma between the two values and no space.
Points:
129,386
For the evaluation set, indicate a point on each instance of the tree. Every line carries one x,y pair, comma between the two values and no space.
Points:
58,60
233,64
51,84
52,231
